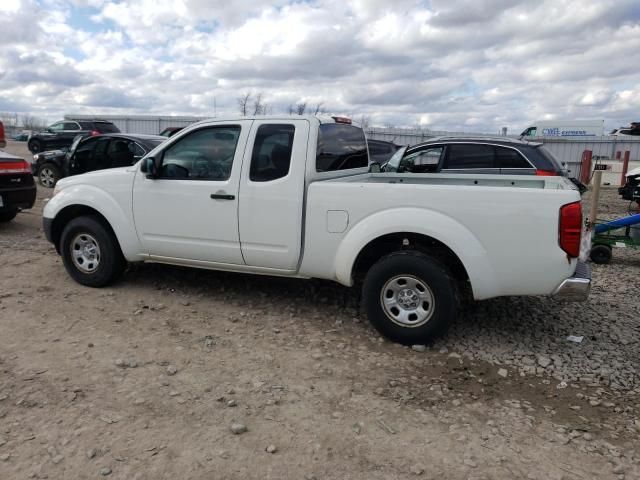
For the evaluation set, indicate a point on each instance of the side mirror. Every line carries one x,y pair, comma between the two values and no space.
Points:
374,167
150,167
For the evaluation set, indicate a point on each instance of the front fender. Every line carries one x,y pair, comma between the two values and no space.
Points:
424,222
117,214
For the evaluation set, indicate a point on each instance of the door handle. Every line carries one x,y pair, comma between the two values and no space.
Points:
222,196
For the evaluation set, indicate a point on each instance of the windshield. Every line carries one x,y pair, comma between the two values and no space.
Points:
394,161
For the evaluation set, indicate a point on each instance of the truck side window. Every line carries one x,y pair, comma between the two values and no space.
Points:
271,157
341,147
205,154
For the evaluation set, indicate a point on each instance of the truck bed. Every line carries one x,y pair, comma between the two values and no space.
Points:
503,228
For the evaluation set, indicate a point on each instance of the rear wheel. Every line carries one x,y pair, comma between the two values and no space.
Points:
601,254
90,252
48,175
35,146
409,297
8,215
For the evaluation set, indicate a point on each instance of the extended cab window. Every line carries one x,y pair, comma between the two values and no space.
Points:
464,156
510,158
205,154
271,157
71,126
340,147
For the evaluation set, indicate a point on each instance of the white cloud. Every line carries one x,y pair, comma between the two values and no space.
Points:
458,65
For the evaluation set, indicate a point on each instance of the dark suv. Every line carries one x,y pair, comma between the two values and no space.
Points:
87,154
475,155
61,134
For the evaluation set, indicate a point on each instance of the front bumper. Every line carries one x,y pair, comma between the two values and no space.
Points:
576,288
47,226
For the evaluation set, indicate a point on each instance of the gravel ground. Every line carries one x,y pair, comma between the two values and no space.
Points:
197,374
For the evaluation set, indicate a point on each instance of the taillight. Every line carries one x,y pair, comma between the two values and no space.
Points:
19,166
546,173
570,229
93,133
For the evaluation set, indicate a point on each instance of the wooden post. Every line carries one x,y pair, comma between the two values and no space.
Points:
625,168
585,169
595,197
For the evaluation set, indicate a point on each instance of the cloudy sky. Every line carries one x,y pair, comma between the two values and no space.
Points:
473,65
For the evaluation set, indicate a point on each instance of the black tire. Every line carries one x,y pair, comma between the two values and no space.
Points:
427,272
8,215
110,262
35,146
601,254
48,175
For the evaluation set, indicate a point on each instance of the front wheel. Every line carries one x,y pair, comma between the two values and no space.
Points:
48,175
409,297
35,146
90,252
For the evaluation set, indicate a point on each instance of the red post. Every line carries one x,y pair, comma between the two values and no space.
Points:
585,169
618,155
625,167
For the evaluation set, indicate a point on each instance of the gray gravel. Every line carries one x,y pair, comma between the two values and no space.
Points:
530,334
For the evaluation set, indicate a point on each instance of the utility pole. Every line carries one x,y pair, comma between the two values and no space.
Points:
214,106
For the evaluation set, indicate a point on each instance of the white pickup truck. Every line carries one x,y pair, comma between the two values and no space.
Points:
294,196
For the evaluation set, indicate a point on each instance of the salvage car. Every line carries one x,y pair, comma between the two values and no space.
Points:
17,188
60,135
170,131
466,154
631,189
295,197
92,153
633,131
381,151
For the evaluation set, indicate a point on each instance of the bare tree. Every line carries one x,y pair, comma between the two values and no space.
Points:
301,108
291,110
10,119
243,103
29,122
259,108
365,121
319,110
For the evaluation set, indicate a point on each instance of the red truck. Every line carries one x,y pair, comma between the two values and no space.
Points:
3,142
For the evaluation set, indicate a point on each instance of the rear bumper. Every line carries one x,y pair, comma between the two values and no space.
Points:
21,197
577,287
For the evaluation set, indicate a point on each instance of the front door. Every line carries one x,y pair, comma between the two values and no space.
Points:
190,211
